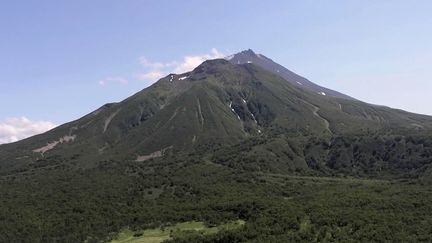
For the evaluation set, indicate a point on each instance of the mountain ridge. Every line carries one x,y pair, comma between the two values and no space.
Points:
249,56
216,104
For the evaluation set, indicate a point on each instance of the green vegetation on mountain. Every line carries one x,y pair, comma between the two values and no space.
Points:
216,145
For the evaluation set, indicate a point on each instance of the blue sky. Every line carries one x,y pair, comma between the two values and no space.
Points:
63,59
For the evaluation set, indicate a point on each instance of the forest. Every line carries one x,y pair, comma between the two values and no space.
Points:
94,205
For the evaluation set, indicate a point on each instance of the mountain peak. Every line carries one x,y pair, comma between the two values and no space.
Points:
249,56
212,62
248,52
243,54
210,65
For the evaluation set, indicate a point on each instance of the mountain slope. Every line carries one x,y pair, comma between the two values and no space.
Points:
217,144
249,56
218,104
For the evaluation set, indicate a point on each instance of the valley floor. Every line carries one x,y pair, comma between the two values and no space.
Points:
95,205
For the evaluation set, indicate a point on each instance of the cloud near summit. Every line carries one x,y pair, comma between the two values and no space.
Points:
156,70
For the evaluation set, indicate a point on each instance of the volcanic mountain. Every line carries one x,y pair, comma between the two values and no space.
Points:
249,56
238,139
217,105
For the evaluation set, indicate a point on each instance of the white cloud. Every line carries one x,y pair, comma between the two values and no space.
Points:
156,70
151,76
191,62
17,128
119,80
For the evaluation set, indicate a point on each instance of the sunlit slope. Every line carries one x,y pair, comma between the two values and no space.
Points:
217,105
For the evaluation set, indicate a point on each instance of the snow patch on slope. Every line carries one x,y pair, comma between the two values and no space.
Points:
232,109
253,117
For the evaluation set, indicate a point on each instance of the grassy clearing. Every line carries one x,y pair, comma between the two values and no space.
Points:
160,234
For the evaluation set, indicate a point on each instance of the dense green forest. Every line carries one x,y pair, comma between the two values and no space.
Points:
224,143
93,205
